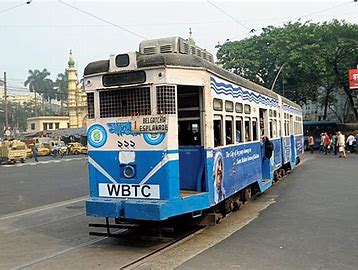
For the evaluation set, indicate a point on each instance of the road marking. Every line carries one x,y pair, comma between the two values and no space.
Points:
43,162
43,208
57,254
44,223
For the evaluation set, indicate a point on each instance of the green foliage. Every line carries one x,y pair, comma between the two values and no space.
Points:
313,55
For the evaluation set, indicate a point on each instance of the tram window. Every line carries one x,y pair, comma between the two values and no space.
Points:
189,132
166,99
122,60
247,109
238,107
217,132
218,104
271,129
279,129
239,135
254,130
229,106
275,128
90,105
247,130
229,132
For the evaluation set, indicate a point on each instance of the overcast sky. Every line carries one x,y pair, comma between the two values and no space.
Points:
39,35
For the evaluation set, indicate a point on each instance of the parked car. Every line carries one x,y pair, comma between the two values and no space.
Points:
77,148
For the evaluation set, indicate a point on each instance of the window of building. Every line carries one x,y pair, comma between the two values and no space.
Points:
229,106
229,132
238,128
57,125
217,132
50,125
238,107
247,109
247,130
68,125
218,104
44,126
33,126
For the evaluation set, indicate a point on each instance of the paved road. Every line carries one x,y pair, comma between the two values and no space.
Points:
313,224
31,184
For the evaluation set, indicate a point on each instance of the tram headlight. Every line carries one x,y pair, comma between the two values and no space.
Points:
129,171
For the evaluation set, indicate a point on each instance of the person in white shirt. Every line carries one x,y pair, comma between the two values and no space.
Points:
341,144
350,141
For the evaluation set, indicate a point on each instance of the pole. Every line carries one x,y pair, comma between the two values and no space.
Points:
6,108
278,73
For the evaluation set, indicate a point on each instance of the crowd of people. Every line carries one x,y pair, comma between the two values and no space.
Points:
335,144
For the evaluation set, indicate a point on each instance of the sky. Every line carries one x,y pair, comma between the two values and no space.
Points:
40,34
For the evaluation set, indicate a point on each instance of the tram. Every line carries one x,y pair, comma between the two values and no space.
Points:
171,133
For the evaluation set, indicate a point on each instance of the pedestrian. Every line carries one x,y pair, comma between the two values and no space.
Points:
321,145
327,144
333,143
341,144
35,152
349,142
336,148
311,144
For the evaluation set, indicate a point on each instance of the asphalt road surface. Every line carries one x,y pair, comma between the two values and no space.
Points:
30,184
307,221
313,224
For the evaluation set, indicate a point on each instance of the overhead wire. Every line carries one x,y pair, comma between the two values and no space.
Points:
11,8
229,15
102,19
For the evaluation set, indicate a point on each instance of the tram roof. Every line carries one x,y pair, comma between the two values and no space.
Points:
187,60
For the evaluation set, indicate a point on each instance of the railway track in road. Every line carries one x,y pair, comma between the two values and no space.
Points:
177,241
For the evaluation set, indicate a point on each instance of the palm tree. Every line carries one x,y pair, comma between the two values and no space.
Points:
39,83
33,82
62,88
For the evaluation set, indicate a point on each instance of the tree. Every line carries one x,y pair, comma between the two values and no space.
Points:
39,83
62,89
313,56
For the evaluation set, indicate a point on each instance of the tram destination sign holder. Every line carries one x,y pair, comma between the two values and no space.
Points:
150,124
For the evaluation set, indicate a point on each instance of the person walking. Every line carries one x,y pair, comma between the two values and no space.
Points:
311,144
321,145
35,152
327,144
333,143
349,142
341,144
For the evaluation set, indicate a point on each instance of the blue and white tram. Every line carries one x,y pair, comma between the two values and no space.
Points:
171,133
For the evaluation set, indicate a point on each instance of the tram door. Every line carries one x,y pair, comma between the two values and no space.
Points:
191,150
264,129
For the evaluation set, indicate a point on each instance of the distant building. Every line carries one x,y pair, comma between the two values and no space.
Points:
314,110
47,123
77,99
21,99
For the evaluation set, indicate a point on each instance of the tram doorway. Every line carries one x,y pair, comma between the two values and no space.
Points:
190,138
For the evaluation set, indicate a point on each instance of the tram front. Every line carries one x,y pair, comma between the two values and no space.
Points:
132,131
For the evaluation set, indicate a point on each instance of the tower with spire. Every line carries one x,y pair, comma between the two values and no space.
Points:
77,103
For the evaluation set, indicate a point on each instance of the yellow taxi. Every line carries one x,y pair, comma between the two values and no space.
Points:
77,148
41,150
